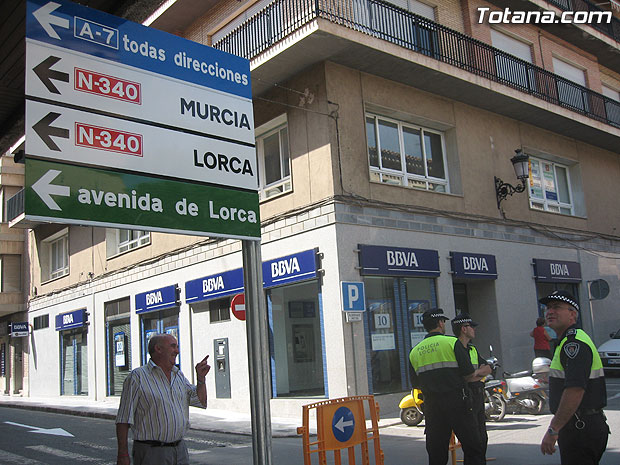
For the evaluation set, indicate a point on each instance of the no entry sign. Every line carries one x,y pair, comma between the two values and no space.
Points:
237,306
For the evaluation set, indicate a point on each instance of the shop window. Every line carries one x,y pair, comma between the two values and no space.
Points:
406,155
119,241
296,340
550,187
41,322
274,162
118,337
74,363
10,273
54,258
219,310
394,326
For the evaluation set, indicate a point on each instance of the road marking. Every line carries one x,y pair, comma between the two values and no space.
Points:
70,456
13,459
36,429
92,445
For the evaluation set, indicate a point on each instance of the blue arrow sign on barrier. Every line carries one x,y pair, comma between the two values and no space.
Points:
343,424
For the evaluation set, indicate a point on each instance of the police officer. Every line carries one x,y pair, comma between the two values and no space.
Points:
577,391
464,328
441,368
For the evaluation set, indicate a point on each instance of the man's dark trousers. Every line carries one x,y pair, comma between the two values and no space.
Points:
480,416
584,446
444,413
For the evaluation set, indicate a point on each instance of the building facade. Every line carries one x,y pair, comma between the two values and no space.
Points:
380,127
14,323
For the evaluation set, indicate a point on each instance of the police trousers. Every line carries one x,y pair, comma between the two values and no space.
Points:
145,454
480,417
444,413
584,446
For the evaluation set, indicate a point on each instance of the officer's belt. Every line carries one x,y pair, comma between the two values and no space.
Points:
588,411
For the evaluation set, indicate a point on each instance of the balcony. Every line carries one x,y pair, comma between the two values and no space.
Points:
289,35
601,40
16,212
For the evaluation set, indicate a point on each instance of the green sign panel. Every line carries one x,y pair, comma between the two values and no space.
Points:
97,197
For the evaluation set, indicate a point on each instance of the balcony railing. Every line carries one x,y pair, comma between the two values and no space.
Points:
611,29
15,205
383,20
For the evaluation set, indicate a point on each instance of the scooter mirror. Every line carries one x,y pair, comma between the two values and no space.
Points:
491,350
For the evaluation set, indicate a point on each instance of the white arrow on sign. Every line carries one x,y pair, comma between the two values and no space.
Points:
45,190
46,19
341,424
36,429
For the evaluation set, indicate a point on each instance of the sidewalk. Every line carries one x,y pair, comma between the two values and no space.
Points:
511,440
221,421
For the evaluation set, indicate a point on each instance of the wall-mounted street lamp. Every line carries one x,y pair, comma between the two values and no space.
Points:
520,162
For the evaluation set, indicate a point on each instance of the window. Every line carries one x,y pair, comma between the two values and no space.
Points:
509,70
54,258
406,155
550,187
273,158
10,273
219,310
568,92
41,322
122,240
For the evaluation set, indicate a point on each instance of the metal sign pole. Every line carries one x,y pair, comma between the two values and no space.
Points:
258,352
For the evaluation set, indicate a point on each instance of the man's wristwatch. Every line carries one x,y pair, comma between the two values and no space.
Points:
552,432
200,382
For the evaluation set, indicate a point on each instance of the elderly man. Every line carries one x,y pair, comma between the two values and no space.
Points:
155,403
577,392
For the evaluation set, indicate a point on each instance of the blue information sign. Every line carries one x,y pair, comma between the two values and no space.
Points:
215,286
473,265
292,268
343,424
284,270
353,299
379,260
556,271
71,320
157,299
74,27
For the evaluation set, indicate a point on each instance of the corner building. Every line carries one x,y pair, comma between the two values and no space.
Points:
379,126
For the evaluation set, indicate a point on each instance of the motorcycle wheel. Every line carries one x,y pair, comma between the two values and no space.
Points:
539,405
497,412
411,416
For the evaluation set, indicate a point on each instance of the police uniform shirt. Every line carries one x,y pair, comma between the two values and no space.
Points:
444,380
576,358
477,385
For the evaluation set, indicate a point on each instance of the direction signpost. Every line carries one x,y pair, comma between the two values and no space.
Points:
130,127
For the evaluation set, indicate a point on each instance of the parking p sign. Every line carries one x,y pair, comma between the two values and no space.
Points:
353,299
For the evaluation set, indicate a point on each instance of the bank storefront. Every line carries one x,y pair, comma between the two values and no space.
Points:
73,334
400,286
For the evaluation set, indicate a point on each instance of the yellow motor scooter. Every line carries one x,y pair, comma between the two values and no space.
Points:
412,408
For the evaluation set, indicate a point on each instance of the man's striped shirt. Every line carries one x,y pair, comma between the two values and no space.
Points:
157,409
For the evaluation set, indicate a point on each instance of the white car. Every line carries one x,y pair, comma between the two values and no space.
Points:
610,353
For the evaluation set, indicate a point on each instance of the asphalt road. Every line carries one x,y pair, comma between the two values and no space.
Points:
34,437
